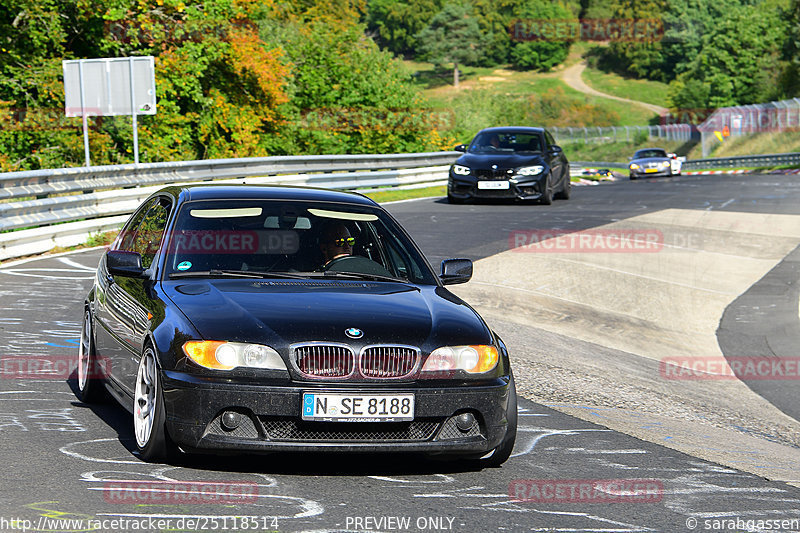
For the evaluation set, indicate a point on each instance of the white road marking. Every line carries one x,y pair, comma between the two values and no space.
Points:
26,272
70,262
66,449
529,446
442,478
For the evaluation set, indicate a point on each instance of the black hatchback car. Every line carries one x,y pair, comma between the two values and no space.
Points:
258,318
510,162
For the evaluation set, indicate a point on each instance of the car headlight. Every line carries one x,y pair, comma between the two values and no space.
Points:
461,170
530,171
219,355
634,166
665,164
471,359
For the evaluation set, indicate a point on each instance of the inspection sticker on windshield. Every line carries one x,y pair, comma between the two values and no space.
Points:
493,185
334,407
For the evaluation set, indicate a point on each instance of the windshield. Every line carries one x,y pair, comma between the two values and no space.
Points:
508,142
290,239
641,154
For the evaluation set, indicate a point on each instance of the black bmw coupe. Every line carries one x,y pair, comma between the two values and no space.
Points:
258,318
510,162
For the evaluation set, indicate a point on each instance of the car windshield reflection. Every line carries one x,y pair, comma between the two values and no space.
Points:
508,142
246,238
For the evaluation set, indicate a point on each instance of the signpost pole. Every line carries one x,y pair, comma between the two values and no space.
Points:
83,115
133,115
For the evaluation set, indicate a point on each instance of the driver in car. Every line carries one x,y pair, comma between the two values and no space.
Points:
336,242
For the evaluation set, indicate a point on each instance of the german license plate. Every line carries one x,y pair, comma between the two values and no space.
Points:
493,185
648,170
336,407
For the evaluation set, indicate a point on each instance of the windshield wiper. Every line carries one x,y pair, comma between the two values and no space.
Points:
217,273
362,275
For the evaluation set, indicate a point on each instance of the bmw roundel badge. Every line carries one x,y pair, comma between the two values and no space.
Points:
354,333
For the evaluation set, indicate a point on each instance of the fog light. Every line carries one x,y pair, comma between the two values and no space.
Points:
465,421
230,420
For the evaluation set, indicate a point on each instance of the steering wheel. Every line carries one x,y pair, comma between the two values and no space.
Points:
357,264
337,264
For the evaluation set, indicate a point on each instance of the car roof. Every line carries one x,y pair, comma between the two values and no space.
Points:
266,192
646,149
516,129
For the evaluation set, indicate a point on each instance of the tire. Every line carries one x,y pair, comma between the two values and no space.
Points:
566,191
547,194
503,451
90,384
632,177
152,440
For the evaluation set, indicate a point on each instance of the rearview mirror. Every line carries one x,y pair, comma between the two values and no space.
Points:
456,271
123,263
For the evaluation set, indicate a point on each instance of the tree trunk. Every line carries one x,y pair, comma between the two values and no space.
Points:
455,74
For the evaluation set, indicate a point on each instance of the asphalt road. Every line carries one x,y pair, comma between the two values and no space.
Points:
66,461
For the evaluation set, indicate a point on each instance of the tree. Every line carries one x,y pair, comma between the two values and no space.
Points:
396,24
545,37
453,36
790,77
738,62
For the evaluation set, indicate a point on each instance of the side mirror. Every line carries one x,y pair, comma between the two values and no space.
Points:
555,149
460,148
122,263
456,271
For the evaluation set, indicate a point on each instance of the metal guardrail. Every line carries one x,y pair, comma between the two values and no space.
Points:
43,183
770,160
102,197
605,134
85,200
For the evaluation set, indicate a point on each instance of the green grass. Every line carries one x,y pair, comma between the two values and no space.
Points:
761,143
503,97
651,92
390,195
617,152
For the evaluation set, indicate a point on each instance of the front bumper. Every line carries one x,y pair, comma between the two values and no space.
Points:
642,173
269,418
519,187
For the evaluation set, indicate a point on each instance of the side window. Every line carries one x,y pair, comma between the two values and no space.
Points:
126,239
151,232
549,138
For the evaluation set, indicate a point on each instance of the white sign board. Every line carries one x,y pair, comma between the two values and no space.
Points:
110,87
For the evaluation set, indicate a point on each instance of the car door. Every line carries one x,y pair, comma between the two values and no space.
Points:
557,162
129,301
110,304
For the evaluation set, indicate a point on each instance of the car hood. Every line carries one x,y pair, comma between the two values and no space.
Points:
283,312
503,161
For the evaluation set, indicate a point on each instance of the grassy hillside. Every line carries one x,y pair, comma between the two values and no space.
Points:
496,97
762,143
617,152
502,96
651,92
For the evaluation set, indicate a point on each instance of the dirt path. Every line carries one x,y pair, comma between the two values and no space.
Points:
572,77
